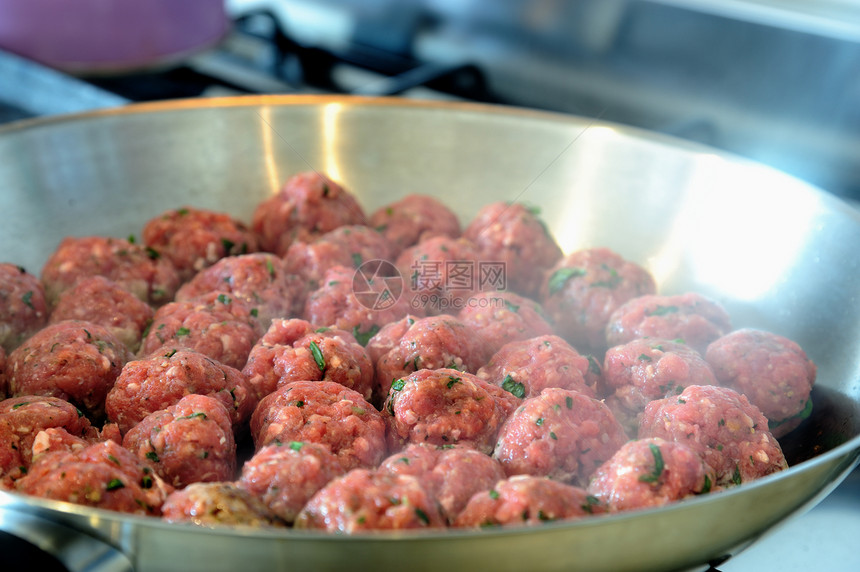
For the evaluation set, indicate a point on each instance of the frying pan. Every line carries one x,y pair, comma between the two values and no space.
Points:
777,253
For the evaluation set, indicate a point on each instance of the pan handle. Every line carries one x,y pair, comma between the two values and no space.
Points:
76,550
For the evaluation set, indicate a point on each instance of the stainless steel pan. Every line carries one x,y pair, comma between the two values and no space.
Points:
777,253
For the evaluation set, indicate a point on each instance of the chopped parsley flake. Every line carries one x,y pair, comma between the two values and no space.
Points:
152,253
644,357
356,259
397,385
569,402
183,331
364,337
296,445
199,414
115,484
27,298
560,277
227,244
422,516
514,387
736,476
494,494
153,456
553,436
654,476
224,299
452,381
318,356
512,307
661,310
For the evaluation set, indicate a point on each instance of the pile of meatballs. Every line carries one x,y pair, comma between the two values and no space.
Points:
325,369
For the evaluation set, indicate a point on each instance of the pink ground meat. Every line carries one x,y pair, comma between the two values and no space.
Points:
370,500
722,426
194,239
445,407
691,318
452,474
3,384
326,413
414,218
561,434
218,504
527,367
514,234
140,270
582,290
285,476
307,206
643,370
296,350
74,360
159,381
503,317
649,473
526,500
23,307
101,301
102,475
191,441
772,371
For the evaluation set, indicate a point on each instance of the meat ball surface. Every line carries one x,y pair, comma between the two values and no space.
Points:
218,504
413,218
23,306
503,317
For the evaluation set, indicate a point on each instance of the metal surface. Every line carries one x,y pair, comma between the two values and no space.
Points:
778,254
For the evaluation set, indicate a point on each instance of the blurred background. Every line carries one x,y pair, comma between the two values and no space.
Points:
773,80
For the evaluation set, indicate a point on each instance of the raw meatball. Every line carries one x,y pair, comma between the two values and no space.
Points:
388,337
691,318
193,239
583,289
513,233
369,500
414,218
73,360
23,308
772,371
648,473
3,384
101,301
218,504
721,425
186,443
57,439
526,500
216,324
527,367
140,270
159,381
348,302
561,434
450,473
441,274
308,205
326,413
22,418
286,475
295,350
641,371
431,343
102,475
446,407
260,280
503,317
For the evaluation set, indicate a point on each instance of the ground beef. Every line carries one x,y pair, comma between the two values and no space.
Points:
643,370
216,324
102,475
101,301
22,418
58,439
503,317
140,270
561,434
648,473
74,360
218,504
286,475
414,218
772,371
445,407
527,367
583,289
191,441
159,381
307,206
193,239
450,473
3,384
526,500
514,234
23,308
326,413
691,318
388,337
296,350
431,343
729,433
370,500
